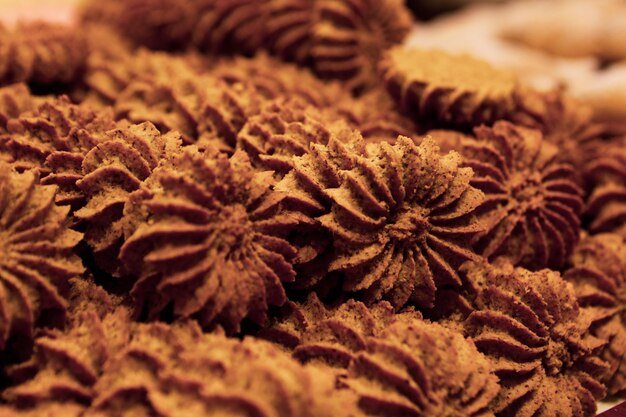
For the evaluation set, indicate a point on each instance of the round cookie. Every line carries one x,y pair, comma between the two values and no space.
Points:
449,89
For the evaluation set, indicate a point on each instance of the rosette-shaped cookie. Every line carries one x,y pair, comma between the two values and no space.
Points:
606,176
53,139
350,37
177,371
196,240
202,108
38,52
598,274
445,89
110,69
397,364
104,366
14,100
162,24
36,262
533,203
400,216
289,28
274,79
564,122
530,327
67,364
282,130
110,172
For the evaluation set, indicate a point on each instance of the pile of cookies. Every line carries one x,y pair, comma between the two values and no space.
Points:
273,208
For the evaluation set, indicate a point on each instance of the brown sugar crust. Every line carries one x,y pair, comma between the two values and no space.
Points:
531,328
398,364
533,203
36,262
399,215
195,239
40,52
351,36
598,274
449,89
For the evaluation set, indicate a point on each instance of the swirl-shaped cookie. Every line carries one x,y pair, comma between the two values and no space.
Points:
400,215
112,365
195,239
36,263
351,36
530,327
282,130
598,274
439,88
53,138
110,172
605,174
533,203
398,364
42,53
202,108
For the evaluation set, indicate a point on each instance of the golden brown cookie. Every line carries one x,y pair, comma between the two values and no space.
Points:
107,366
533,203
448,89
399,216
36,263
14,100
53,138
195,238
598,274
565,122
531,328
351,36
398,364
109,173
605,174
42,53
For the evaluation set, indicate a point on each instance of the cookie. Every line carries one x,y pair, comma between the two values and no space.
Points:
37,261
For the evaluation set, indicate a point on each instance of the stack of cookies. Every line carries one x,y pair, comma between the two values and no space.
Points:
273,208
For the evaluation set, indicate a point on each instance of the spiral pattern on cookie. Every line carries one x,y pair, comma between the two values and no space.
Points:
37,259
351,36
194,239
533,203
605,173
598,274
399,215
398,364
39,52
110,172
447,90
531,328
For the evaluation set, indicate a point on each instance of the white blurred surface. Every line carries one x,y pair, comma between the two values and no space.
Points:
52,10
